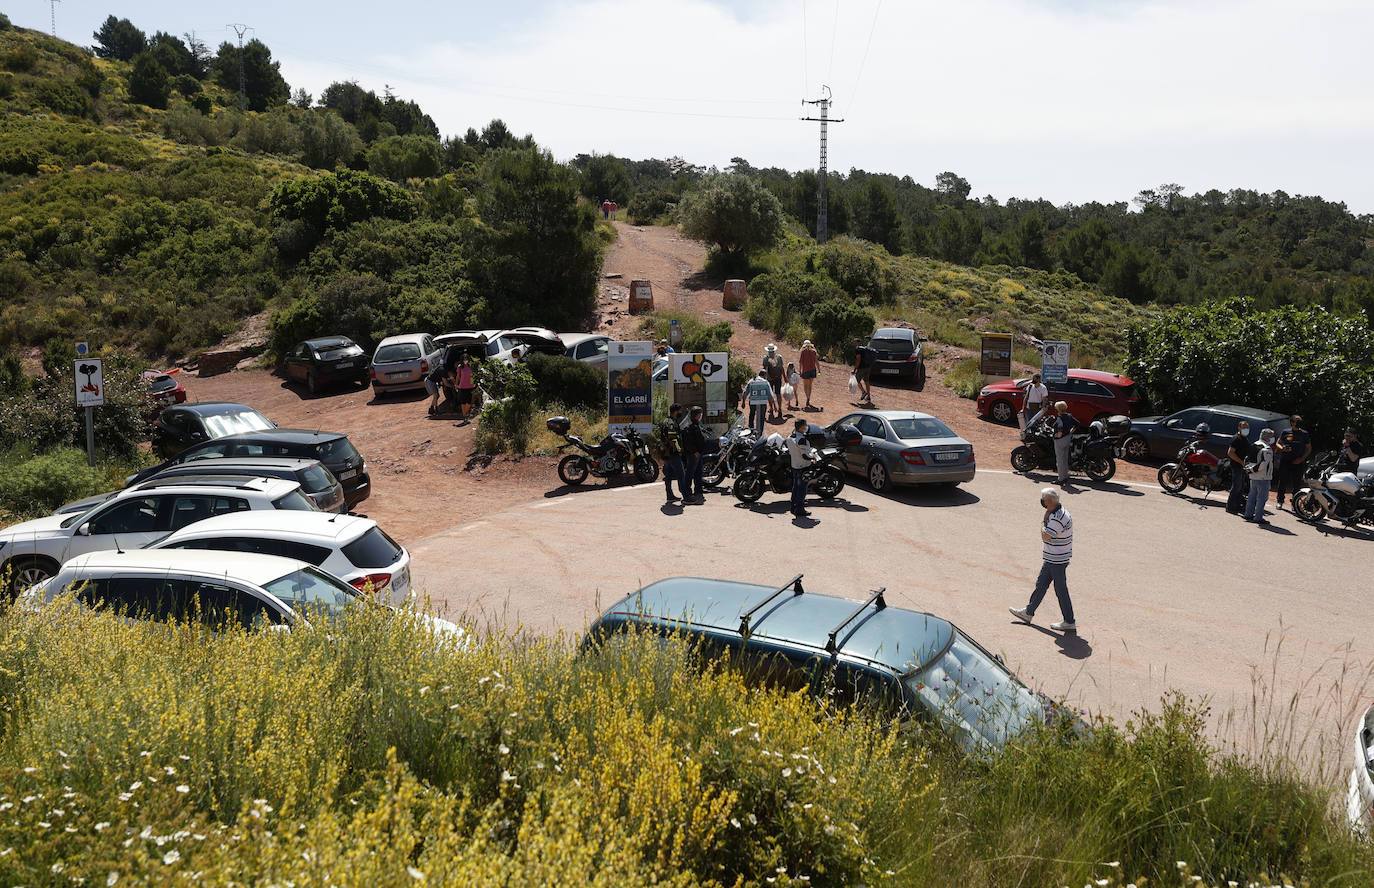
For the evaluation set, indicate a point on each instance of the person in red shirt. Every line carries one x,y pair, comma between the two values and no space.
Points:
606,209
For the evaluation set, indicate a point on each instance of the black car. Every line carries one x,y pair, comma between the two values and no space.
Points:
317,482
318,362
1160,437
186,425
333,449
899,356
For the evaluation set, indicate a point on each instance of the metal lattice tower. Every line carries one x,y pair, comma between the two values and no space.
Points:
241,30
822,174
52,6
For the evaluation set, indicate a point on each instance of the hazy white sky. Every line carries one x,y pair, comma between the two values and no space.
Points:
1069,100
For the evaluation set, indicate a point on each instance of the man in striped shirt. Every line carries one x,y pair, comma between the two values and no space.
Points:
1056,545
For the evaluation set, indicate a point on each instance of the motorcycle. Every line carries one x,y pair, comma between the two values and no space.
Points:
617,453
729,460
769,467
1194,467
1347,497
1093,453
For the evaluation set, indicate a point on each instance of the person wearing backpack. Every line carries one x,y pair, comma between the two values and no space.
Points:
1064,427
1261,469
670,435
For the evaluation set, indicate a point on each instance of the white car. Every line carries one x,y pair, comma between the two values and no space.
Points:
256,591
589,348
1361,797
350,547
32,551
501,344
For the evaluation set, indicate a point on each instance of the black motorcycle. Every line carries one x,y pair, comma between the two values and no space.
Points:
1092,453
729,460
617,453
769,467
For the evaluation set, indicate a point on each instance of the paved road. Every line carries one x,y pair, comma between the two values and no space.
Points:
1228,608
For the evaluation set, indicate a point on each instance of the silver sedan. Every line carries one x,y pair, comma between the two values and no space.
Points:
905,447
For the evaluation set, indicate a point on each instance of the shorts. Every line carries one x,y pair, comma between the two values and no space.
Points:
809,374
776,385
862,373
465,396
431,387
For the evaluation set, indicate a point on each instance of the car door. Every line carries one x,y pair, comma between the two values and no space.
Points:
127,524
1170,435
854,453
874,437
170,432
1092,399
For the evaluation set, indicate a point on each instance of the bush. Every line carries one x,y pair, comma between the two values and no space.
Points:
64,98
697,336
858,270
563,380
45,409
149,82
836,323
40,484
352,306
5,22
785,301
965,379
21,58
504,425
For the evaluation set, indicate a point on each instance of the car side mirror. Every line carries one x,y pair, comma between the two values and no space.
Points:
197,436
84,529
1170,423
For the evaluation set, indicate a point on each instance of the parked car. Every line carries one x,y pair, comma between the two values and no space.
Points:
33,550
466,338
317,482
186,425
1160,437
905,661
899,355
527,339
350,547
400,363
254,591
1090,394
589,348
164,390
905,447
329,359
333,449
1360,800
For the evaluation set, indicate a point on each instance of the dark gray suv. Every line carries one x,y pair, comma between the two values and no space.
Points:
1160,437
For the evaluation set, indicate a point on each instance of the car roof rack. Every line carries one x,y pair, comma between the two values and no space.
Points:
794,584
877,597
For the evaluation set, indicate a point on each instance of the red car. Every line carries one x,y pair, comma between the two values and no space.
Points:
1090,394
164,390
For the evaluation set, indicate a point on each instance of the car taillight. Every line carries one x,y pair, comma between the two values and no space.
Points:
910,358
970,455
424,365
378,582
913,457
372,372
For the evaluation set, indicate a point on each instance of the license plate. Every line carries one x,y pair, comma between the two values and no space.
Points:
400,583
344,476
887,370
399,375
947,456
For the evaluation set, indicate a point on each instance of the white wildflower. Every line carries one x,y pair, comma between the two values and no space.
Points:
415,874
171,857
111,878
183,788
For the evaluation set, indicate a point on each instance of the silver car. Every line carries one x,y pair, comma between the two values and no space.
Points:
1360,800
905,447
402,362
589,348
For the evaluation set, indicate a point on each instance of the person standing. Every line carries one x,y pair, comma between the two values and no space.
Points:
1238,452
1350,453
693,447
670,436
799,449
810,361
1056,548
606,208
1293,447
466,386
1036,396
773,367
864,359
791,386
1064,427
758,394
1261,468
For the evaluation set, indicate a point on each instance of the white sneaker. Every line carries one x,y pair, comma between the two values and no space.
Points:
1064,626
1020,613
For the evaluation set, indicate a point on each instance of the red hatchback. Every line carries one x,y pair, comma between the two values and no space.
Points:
1090,394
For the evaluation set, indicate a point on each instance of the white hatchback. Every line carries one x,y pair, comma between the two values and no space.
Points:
1360,800
350,547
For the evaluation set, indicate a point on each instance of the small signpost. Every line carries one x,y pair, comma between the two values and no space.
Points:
996,355
674,334
89,379
1054,361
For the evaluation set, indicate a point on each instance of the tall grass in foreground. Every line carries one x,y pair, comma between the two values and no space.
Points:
375,753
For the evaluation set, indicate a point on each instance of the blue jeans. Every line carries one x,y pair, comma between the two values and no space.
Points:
1235,502
1058,574
691,469
672,471
1259,495
798,490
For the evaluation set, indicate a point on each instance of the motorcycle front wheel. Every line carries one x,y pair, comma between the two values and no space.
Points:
1022,459
646,469
573,469
1099,467
1173,477
748,486
1308,506
829,483
713,470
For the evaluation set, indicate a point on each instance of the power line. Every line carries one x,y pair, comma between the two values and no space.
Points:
806,63
822,174
869,45
52,7
834,36
655,111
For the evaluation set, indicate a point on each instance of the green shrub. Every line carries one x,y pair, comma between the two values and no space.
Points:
563,380
6,85
505,423
838,322
64,98
44,411
351,306
697,335
858,270
42,483
965,379
5,22
21,58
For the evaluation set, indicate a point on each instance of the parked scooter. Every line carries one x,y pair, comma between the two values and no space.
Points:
1195,467
1348,497
617,453
769,467
729,460
1092,453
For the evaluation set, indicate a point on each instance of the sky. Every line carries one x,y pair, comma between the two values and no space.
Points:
1068,100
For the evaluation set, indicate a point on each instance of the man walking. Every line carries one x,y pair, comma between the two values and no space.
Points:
693,447
799,449
1036,396
1261,473
758,394
1238,452
864,359
1056,548
1064,427
670,435
1292,448
772,368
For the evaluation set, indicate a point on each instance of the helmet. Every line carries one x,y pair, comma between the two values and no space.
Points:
1098,428
1203,429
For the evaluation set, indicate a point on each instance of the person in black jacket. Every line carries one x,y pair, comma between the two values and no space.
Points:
693,446
1350,453
670,435
1238,452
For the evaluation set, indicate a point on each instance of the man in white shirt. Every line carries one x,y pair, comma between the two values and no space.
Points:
1036,396
758,395
799,449
1056,548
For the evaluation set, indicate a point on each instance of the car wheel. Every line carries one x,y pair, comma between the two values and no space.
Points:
877,476
1001,411
312,384
24,572
921,376
378,392
1134,448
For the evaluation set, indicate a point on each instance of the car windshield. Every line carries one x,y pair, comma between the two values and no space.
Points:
397,352
373,549
308,591
316,479
973,697
337,350
295,501
915,427
339,450
222,424
162,384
